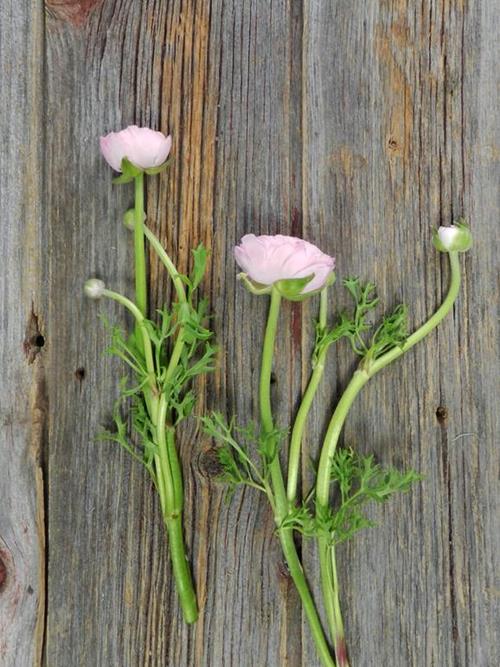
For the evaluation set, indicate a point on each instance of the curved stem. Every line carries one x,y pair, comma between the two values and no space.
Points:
431,323
281,503
359,379
304,408
167,262
181,295
364,373
146,341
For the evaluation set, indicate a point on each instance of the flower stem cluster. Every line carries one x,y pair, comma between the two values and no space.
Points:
163,355
358,480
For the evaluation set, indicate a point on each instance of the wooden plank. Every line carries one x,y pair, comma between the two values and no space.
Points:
398,137
359,127
204,72
22,390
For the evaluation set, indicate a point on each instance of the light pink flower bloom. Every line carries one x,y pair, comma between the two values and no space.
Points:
267,259
143,147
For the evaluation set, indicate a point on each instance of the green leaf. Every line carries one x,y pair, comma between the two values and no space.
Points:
200,255
393,332
360,481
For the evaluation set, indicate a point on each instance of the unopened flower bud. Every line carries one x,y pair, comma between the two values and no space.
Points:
129,219
456,238
94,288
144,148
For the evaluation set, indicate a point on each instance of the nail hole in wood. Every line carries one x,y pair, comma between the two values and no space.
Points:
33,338
442,414
80,373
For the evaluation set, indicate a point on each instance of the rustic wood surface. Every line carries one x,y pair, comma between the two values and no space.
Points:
357,125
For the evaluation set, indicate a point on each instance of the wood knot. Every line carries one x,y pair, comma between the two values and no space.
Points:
393,145
73,11
208,463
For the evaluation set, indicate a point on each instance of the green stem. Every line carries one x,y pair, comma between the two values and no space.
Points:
180,567
168,264
364,373
142,331
359,379
176,354
141,297
181,295
175,467
281,503
304,408
168,469
330,591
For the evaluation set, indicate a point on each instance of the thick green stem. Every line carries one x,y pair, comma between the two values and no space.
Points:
168,469
330,591
141,295
180,567
281,503
359,379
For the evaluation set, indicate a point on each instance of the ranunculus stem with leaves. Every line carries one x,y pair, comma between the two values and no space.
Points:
168,472
281,502
367,369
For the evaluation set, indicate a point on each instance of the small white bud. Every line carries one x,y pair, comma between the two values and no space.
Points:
94,288
448,236
456,238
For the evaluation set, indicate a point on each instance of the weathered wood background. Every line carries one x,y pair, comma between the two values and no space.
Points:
359,125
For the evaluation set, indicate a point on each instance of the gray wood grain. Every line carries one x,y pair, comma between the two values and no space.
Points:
398,137
23,401
357,125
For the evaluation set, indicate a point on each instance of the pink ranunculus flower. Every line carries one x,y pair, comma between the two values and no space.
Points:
268,259
143,147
